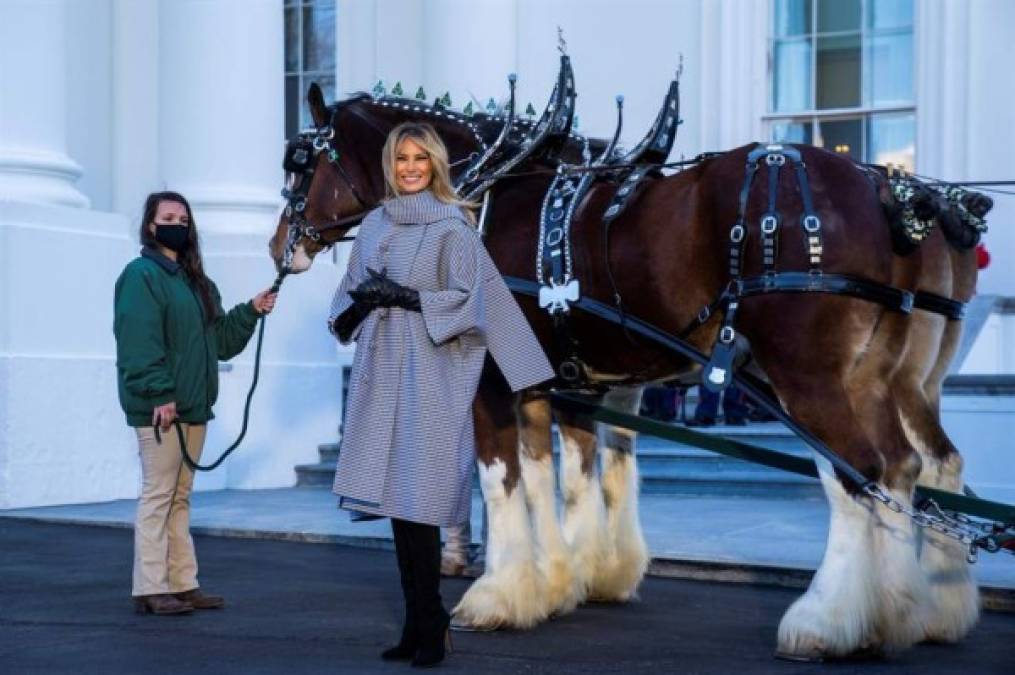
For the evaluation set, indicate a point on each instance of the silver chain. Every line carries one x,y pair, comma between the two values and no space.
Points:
971,534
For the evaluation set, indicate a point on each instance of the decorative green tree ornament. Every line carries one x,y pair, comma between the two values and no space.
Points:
529,110
469,110
420,94
491,107
379,89
446,99
397,91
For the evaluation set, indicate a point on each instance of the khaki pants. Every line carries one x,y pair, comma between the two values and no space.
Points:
164,559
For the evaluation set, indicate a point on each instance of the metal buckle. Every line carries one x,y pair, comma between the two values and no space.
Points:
569,370
727,335
703,315
812,223
775,159
737,233
769,224
320,143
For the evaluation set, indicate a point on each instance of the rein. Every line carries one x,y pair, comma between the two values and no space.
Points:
187,459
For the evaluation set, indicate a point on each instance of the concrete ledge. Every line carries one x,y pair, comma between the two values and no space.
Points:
994,599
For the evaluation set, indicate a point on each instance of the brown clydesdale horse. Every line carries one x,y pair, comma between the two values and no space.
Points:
864,379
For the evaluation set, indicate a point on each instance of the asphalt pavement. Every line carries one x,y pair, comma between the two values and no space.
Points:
327,608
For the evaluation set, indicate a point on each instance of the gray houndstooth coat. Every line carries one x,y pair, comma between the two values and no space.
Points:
408,446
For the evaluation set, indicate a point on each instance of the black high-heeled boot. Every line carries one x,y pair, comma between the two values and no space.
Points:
435,642
407,646
432,620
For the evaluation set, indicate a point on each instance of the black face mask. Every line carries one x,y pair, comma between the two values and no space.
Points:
173,237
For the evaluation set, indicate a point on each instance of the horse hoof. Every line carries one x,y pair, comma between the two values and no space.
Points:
452,568
800,658
464,627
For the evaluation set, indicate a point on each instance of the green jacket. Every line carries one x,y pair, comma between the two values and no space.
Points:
165,351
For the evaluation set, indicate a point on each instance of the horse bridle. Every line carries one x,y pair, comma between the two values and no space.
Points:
300,164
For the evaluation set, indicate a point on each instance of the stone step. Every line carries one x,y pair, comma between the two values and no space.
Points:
328,452
668,467
315,475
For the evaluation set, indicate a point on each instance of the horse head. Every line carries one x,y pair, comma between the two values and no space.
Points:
333,171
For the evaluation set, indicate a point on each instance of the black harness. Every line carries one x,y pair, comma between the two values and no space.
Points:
300,163
719,370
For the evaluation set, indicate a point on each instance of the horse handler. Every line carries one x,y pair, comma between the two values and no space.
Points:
424,303
171,331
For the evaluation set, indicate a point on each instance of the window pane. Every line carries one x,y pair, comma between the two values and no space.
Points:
890,14
790,131
891,139
319,37
792,17
292,40
327,84
838,15
889,66
293,100
843,136
791,88
838,77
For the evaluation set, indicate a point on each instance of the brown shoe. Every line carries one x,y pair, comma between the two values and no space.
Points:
201,601
161,603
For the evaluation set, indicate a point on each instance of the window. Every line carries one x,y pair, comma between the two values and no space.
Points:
309,57
842,77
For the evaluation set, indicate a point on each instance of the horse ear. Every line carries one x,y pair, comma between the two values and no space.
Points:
318,109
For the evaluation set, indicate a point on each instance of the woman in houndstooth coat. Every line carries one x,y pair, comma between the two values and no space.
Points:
425,304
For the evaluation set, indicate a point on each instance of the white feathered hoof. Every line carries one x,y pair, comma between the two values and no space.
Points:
619,576
957,610
811,631
954,596
452,565
563,590
513,597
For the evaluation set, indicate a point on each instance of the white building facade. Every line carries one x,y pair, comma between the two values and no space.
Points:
104,101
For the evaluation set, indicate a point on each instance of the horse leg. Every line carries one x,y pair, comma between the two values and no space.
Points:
510,591
904,597
455,554
835,615
584,511
552,555
954,594
624,568
868,591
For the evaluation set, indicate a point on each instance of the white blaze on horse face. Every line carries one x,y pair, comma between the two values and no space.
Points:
510,592
301,260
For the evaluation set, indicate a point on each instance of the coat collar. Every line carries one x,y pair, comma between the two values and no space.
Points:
165,263
420,208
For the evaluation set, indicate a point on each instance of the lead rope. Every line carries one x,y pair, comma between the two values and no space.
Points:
188,460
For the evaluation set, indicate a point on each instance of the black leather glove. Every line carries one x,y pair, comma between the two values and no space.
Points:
378,290
346,322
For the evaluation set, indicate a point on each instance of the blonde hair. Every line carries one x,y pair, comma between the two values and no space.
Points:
425,137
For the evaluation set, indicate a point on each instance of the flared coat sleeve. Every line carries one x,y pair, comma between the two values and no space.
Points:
476,301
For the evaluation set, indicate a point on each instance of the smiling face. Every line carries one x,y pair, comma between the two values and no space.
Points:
413,169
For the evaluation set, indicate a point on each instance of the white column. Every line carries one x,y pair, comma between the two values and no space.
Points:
220,110
460,57
34,166
734,74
